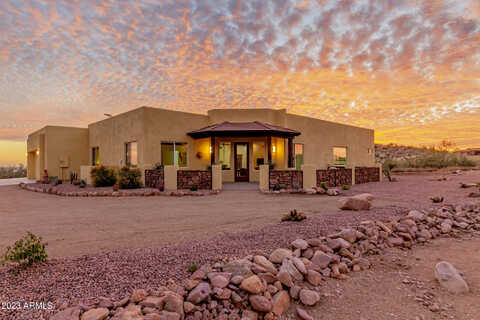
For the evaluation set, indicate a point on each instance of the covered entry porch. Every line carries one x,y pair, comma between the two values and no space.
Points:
241,147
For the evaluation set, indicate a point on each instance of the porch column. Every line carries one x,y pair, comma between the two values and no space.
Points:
212,154
291,163
269,149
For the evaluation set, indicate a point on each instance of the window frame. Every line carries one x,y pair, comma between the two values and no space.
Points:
335,163
174,143
127,155
95,153
229,160
295,155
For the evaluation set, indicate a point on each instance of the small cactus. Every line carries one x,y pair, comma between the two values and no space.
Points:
294,215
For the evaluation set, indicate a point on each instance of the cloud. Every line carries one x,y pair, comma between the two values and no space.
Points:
381,64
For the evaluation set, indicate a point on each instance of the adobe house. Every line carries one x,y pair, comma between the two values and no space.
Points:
240,140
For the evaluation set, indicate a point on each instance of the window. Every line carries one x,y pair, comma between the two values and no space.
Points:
131,154
340,155
174,153
95,156
258,154
224,154
298,148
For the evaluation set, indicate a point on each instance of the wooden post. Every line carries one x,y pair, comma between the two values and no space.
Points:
291,163
269,150
212,154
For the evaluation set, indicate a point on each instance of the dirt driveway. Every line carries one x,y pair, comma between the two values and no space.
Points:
76,226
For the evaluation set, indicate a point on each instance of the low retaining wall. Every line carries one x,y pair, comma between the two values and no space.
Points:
189,178
286,179
367,174
154,178
334,177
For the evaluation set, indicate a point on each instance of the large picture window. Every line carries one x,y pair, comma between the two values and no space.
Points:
174,153
95,156
298,147
340,155
258,154
224,154
131,154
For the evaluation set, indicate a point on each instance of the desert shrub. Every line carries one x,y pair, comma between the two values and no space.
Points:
194,188
8,172
346,187
276,187
103,176
324,186
387,167
193,267
437,199
294,215
158,166
129,178
82,184
26,251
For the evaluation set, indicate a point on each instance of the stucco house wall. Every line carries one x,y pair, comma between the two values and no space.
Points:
51,145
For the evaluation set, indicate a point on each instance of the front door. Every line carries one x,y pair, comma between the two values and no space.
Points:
241,161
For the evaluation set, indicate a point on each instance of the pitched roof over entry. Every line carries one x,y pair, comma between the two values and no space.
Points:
243,129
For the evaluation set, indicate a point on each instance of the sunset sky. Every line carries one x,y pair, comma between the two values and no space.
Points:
410,69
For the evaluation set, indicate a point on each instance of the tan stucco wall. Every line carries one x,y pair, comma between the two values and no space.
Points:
55,143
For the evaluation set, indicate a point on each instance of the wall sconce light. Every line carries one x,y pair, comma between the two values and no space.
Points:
210,149
38,152
273,148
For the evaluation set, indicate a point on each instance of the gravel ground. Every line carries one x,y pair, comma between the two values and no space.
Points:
114,273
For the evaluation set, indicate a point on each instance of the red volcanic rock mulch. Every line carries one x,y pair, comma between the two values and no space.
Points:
112,274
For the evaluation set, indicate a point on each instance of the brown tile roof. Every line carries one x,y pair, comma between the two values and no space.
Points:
255,128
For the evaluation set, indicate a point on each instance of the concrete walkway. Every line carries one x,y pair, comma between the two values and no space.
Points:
240,186
14,181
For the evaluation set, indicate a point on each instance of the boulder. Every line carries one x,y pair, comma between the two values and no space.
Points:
138,295
300,244
298,263
309,297
219,281
353,203
249,315
152,302
288,266
260,303
322,260
265,263
285,278
302,314
67,314
278,255
314,278
201,292
96,314
450,278
253,285
280,302
173,302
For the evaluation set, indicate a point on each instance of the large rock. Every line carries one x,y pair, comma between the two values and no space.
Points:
201,292
309,297
354,203
322,260
173,302
285,278
67,314
265,263
302,314
314,278
278,255
219,281
253,285
260,303
241,267
96,314
449,278
288,266
280,302
152,302
138,295
300,244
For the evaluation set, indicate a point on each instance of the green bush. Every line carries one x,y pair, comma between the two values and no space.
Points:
276,187
192,268
129,178
324,186
8,172
294,215
26,251
346,187
103,176
194,188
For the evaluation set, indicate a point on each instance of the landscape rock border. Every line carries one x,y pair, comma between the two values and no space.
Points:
48,189
261,286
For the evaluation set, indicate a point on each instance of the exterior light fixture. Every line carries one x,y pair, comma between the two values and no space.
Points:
38,152
273,148
210,149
